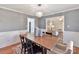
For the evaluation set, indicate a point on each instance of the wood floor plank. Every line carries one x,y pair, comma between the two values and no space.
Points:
8,49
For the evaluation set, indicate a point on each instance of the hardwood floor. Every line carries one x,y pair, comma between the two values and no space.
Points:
9,49
77,50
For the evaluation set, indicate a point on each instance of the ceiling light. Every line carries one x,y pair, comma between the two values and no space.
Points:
39,14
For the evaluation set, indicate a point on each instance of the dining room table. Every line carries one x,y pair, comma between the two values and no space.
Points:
47,42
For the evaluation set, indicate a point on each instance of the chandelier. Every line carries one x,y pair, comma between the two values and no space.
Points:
39,13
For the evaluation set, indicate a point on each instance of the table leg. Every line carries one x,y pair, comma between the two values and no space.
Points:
44,51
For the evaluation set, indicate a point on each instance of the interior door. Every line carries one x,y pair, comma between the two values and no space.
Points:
31,25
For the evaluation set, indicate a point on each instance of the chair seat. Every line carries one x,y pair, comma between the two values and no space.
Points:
59,48
26,44
58,51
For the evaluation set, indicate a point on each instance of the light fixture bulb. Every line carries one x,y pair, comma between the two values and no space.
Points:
39,14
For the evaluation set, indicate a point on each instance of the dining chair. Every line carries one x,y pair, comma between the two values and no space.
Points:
26,45
37,49
61,48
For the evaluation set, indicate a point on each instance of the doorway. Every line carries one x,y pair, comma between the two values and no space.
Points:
30,25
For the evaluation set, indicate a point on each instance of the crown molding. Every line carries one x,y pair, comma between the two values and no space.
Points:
13,10
63,11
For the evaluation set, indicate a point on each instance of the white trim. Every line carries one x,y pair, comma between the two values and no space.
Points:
10,9
64,11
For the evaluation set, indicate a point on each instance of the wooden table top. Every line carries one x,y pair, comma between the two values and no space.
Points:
46,41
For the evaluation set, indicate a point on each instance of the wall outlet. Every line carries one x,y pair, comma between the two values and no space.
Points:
68,26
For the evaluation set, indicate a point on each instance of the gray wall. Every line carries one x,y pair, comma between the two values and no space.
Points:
11,21
42,23
71,20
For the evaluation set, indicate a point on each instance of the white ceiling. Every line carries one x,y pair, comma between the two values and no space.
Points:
47,9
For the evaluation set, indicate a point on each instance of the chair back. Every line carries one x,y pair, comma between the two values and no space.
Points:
69,48
23,40
28,42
